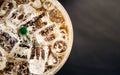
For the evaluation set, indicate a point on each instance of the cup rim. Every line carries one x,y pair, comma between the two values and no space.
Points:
69,23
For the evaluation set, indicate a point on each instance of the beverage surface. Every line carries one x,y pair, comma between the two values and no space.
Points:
35,37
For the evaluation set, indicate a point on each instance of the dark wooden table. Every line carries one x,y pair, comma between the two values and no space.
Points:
96,49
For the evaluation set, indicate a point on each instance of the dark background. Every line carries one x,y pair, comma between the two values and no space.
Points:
96,48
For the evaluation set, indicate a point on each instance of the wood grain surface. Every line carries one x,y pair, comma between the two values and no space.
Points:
96,48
